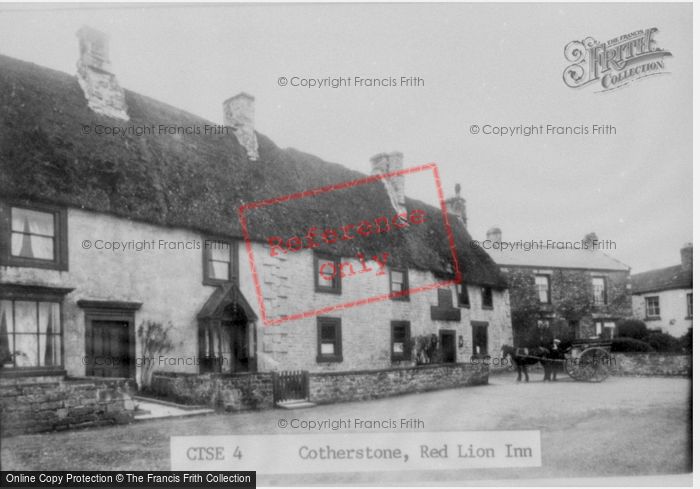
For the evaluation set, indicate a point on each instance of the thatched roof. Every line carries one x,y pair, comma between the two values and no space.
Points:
192,181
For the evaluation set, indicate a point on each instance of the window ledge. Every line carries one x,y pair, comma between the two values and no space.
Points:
322,290
652,318
328,359
401,298
488,308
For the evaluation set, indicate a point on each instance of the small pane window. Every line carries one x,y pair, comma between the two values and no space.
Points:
327,274
599,292
33,234
400,340
329,340
652,306
220,261
30,334
399,283
543,289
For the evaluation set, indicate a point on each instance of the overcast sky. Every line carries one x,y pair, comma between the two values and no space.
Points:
497,64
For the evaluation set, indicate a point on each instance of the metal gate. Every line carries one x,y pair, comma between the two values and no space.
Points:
290,385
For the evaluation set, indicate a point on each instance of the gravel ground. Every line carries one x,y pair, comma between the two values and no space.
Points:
624,426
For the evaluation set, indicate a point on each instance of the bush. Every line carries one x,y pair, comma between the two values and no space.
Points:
626,345
664,342
632,328
686,341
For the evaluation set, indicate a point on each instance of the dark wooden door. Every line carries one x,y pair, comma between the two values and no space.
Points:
109,355
480,339
239,347
448,345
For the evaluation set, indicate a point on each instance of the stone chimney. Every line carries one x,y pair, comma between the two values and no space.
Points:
102,91
395,186
687,257
239,113
457,205
494,235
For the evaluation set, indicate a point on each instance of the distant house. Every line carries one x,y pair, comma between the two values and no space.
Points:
68,308
565,290
663,298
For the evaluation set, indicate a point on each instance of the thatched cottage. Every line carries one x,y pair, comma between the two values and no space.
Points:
71,298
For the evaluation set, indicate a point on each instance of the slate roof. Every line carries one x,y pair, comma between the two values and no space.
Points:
662,279
193,181
555,258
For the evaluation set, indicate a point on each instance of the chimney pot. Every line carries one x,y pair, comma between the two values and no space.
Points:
239,113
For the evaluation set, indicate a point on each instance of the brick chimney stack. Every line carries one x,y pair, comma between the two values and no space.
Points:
102,91
687,257
239,113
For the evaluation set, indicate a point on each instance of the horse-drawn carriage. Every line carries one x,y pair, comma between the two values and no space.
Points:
587,360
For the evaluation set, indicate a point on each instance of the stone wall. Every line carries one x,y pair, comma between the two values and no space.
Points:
330,387
28,406
234,392
652,364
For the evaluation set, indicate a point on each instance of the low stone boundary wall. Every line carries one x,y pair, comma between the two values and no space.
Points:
235,392
327,387
652,364
27,406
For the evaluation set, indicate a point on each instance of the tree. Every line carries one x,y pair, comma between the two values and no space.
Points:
155,341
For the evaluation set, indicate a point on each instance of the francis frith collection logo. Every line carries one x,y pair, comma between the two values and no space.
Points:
615,63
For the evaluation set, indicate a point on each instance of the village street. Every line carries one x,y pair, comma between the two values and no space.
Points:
623,426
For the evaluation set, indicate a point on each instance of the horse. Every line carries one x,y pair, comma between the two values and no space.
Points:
522,357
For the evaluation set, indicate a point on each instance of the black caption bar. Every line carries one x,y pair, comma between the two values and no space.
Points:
125,479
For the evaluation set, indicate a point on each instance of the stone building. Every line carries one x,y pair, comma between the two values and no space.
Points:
109,221
564,290
663,298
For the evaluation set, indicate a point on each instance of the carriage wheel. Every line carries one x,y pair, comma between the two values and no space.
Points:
594,365
573,368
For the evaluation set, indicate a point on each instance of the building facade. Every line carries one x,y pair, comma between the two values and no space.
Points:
559,292
110,223
663,298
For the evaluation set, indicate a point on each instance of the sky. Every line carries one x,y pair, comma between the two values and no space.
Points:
481,64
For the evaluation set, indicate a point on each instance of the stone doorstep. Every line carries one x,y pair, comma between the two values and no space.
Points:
149,409
300,404
184,407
